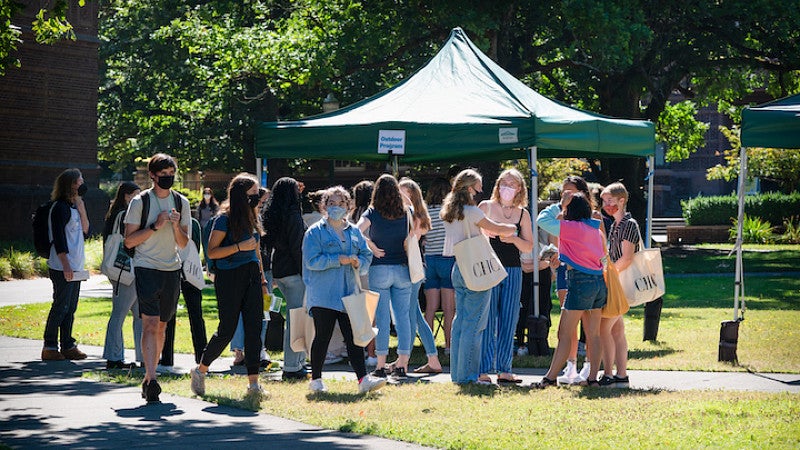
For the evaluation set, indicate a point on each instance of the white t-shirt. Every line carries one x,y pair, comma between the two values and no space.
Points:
159,251
454,231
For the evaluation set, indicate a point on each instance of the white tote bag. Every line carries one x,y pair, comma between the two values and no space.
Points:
191,265
479,265
643,280
416,269
116,265
360,307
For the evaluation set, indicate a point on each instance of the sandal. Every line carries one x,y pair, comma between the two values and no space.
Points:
483,378
545,383
426,369
512,379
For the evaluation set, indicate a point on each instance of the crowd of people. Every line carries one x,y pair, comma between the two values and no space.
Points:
355,239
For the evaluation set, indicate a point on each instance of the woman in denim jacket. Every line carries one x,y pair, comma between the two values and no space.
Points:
333,250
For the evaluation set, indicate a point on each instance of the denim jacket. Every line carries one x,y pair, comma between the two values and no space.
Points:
326,280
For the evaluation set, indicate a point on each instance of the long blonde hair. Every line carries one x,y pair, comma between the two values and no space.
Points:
420,208
459,196
521,199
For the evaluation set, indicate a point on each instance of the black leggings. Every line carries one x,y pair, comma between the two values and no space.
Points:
324,322
238,291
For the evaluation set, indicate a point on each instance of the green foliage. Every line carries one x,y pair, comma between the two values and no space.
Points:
193,195
551,172
5,269
9,35
678,127
21,263
791,235
721,210
754,230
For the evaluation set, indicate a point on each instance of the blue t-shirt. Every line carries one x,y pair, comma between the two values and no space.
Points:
239,258
388,235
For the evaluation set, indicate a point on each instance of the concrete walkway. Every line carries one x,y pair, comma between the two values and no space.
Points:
49,404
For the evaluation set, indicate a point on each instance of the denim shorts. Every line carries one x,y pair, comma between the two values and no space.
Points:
561,277
158,292
437,271
584,291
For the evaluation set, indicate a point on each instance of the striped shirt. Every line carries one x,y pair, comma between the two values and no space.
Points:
434,239
626,230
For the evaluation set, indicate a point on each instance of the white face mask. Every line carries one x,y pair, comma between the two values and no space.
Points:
207,197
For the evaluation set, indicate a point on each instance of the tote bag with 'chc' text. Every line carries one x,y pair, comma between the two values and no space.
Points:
479,265
643,280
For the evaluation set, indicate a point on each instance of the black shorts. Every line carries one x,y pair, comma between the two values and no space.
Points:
157,292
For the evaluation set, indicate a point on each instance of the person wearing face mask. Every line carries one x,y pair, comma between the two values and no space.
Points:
239,282
623,237
507,206
69,224
333,251
156,237
207,208
472,307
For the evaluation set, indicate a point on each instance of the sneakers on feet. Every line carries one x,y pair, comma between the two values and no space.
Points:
165,369
153,391
570,375
198,382
545,383
73,353
623,382
399,373
301,374
317,385
256,393
379,373
370,383
52,355
606,381
111,365
585,370
371,361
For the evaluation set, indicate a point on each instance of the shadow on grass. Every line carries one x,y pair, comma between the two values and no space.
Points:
597,393
649,354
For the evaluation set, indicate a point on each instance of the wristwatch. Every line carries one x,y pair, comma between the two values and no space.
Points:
153,226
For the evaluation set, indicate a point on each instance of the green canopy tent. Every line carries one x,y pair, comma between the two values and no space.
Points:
460,106
772,125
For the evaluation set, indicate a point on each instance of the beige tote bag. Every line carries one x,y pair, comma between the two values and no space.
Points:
478,263
416,270
643,280
302,332
360,307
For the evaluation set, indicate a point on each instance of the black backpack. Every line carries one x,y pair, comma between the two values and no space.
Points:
146,212
41,228
211,264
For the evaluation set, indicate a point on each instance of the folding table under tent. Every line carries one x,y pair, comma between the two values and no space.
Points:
460,106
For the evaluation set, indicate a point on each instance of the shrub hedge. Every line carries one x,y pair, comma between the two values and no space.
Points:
722,210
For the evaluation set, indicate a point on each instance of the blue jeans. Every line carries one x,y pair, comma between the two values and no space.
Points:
472,313
124,301
497,350
393,283
418,324
293,290
237,343
62,312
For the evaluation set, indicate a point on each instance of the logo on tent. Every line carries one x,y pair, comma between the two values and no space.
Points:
508,135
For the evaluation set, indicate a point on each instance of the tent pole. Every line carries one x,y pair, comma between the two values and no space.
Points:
395,167
534,226
651,170
738,283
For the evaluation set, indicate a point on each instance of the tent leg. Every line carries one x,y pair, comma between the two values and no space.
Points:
652,310
538,324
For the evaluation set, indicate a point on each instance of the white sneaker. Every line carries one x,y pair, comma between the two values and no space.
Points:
198,382
330,358
570,375
371,361
585,370
316,385
370,383
256,393
522,351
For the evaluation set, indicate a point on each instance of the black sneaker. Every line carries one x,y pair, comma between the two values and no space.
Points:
380,373
144,389
623,382
301,374
111,365
606,381
153,390
399,373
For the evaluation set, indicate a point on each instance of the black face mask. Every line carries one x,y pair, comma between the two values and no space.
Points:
253,200
82,189
166,181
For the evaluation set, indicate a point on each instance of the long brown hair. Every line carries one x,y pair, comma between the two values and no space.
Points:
437,191
119,203
63,186
242,218
459,196
386,198
420,209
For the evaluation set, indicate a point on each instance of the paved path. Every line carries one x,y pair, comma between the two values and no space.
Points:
49,404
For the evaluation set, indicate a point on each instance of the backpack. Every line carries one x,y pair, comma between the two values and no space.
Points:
146,213
211,264
42,236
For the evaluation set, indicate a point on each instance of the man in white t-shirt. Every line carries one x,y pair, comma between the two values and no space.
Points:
156,262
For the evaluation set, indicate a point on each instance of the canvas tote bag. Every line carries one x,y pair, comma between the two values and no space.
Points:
643,280
416,269
302,332
478,263
191,265
360,307
116,263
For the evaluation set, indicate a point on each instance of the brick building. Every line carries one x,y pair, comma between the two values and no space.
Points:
48,117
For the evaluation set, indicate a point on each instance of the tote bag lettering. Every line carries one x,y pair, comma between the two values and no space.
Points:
643,280
192,267
477,262
116,263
